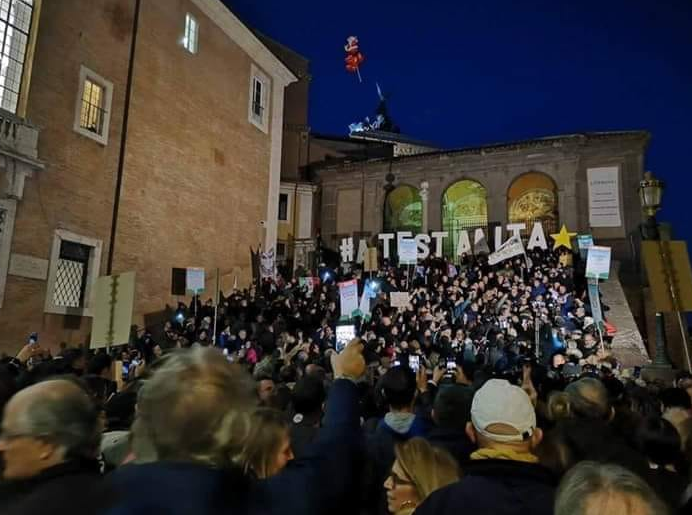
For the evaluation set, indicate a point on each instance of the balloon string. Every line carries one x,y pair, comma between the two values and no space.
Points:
358,72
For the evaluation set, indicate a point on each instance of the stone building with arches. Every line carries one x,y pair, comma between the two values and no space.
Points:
544,179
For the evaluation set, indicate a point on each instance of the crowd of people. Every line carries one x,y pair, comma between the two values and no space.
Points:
493,391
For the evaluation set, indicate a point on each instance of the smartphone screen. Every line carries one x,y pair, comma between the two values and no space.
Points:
451,365
414,363
344,334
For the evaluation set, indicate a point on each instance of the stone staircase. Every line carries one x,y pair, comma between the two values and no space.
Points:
628,346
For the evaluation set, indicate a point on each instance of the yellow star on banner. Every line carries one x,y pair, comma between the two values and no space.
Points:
563,238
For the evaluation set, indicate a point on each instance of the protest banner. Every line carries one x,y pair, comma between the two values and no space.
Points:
348,292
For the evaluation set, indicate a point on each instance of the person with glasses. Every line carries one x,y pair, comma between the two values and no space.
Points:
419,469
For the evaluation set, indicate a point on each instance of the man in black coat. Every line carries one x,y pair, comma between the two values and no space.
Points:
503,476
191,423
49,441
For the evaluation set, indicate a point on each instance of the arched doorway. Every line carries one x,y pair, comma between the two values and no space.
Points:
403,210
532,197
464,207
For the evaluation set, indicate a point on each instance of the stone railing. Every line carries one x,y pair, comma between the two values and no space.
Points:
18,136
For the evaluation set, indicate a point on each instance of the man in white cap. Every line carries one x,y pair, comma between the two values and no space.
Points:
503,475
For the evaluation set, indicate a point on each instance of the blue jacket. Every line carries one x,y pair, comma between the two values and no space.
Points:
495,487
315,483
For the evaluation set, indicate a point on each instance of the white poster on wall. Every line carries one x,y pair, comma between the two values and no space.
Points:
604,197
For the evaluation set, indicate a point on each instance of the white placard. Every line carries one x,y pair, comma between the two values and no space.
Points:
598,263
399,299
604,197
348,291
194,280
408,251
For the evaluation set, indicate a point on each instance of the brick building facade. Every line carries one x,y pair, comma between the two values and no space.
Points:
199,169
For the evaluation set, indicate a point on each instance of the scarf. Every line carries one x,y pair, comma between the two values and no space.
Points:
503,454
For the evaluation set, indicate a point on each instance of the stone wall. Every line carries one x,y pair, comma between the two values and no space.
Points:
565,160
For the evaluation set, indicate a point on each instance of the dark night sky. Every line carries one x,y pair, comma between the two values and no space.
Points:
464,72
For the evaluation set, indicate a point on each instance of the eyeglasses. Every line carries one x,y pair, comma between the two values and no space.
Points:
399,481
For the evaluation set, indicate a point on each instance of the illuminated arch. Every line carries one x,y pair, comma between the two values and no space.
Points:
403,210
532,197
464,206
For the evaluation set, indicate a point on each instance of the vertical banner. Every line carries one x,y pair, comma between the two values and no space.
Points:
604,197
598,263
267,264
114,300
370,264
194,280
368,293
595,301
348,292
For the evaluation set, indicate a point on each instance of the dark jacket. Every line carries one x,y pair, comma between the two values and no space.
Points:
73,488
495,487
186,489
455,442
380,455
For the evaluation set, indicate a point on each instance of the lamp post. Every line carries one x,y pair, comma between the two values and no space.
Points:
650,193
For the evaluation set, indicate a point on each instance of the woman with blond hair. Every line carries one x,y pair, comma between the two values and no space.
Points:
419,469
268,447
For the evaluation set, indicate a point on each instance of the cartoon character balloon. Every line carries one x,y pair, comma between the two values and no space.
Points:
354,57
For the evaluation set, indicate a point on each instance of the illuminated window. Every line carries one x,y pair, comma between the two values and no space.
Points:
15,25
92,117
191,34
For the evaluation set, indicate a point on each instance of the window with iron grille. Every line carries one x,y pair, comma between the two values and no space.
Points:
93,107
71,274
15,26
191,34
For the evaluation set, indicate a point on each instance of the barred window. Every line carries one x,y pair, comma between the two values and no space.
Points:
71,274
93,107
15,25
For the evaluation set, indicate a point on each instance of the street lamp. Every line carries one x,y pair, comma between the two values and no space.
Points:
650,193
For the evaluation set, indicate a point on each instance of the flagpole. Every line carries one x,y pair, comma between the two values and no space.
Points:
216,306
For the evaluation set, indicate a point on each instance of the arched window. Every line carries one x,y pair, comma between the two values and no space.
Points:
532,197
464,207
403,210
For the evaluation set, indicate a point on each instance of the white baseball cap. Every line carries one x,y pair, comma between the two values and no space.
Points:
499,402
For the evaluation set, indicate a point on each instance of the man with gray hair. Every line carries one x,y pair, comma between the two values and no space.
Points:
193,421
49,442
594,488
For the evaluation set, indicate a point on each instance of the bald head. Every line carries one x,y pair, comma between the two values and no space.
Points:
46,424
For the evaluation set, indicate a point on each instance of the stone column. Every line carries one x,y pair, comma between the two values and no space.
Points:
423,192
